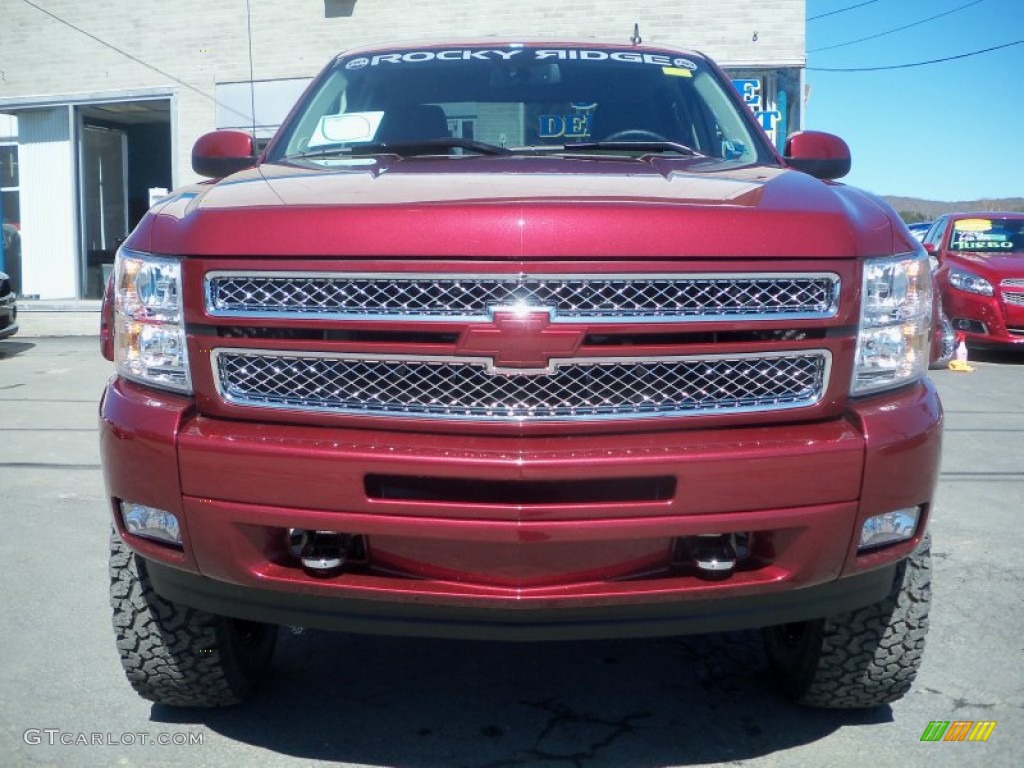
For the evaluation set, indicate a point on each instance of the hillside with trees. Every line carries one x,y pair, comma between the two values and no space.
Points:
914,209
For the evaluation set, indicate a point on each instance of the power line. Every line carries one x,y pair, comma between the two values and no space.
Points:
897,29
841,10
916,63
136,59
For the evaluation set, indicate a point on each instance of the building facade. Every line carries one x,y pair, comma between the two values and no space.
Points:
100,103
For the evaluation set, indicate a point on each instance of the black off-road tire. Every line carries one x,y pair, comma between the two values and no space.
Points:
859,659
180,656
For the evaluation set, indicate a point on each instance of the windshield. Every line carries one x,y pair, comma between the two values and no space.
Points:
521,98
988,235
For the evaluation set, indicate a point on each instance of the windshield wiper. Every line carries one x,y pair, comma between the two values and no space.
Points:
647,145
404,148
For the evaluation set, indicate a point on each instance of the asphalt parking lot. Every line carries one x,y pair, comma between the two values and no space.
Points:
350,700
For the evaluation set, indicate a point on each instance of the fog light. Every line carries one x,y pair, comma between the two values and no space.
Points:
890,527
151,523
970,326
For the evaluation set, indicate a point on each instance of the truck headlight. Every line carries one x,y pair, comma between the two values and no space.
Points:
895,321
149,324
966,281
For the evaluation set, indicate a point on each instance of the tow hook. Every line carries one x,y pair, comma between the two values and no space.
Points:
714,555
322,553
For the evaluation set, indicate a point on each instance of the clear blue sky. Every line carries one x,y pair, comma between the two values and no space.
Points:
948,131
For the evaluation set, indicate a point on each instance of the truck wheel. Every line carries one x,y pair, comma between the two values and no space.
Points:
863,658
181,656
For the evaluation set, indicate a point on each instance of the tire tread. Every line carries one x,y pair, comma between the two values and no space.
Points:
867,657
172,654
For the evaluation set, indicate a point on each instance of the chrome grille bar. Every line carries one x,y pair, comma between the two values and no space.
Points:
1013,291
569,298
472,389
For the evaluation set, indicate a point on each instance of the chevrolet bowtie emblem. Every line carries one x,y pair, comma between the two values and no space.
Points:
521,339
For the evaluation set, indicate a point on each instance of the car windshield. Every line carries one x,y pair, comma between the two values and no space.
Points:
499,100
988,235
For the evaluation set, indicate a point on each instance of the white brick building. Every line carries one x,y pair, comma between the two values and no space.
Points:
101,101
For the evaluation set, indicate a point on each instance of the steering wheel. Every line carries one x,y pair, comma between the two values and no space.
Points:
634,134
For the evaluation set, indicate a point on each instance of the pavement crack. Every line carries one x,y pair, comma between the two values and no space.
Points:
566,728
962,702
47,465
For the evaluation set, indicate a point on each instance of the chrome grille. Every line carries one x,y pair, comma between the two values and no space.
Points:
1014,298
1015,294
595,299
470,388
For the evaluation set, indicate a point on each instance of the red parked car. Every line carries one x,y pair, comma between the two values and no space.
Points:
521,341
980,275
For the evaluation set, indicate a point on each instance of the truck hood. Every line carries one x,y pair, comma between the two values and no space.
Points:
520,207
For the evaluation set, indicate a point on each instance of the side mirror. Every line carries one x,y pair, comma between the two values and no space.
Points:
221,153
931,249
822,155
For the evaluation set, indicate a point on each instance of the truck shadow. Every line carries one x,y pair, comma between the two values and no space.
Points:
999,356
414,702
12,348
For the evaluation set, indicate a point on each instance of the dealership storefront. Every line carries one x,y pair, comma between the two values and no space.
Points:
98,120
84,170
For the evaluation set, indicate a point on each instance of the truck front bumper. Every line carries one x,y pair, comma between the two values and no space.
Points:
528,624
515,537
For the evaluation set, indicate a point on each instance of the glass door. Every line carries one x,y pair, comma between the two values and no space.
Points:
103,164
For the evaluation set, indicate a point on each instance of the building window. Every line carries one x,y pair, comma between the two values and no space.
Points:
773,95
272,98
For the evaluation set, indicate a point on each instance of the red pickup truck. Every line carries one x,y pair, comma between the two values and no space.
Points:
521,341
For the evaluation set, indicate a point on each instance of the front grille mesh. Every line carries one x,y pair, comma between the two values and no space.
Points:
608,298
1015,294
461,388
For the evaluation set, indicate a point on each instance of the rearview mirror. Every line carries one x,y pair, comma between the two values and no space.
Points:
546,73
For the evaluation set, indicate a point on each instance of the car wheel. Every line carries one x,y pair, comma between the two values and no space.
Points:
859,659
181,656
947,341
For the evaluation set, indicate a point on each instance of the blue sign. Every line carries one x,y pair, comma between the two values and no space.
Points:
750,90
